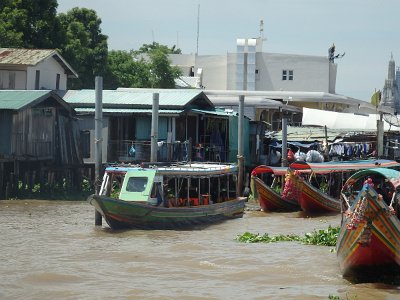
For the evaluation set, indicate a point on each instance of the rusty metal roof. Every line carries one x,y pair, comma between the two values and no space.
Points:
31,57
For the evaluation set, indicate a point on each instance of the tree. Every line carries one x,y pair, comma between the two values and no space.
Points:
163,75
146,48
29,24
149,69
85,47
124,70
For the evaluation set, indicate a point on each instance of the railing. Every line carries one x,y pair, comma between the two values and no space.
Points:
139,151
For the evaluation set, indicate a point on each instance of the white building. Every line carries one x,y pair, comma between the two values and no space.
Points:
33,69
288,82
253,70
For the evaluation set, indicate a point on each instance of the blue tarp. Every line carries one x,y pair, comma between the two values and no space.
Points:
275,144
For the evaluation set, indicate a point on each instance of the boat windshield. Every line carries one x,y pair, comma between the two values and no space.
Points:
136,184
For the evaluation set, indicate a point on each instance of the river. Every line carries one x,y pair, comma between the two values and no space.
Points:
52,250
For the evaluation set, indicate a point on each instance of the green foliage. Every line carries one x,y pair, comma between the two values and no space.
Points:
248,237
277,189
322,237
58,191
327,237
162,73
124,69
134,69
115,193
85,47
78,37
29,24
146,48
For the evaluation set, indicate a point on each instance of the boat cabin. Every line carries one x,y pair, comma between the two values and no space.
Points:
177,185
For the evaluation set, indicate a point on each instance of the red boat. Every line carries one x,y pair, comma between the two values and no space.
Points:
268,198
369,238
315,200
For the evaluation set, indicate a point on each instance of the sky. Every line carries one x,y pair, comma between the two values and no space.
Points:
367,31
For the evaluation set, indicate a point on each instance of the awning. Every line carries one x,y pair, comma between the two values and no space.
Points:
90,110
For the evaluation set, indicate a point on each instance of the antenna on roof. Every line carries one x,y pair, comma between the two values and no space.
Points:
262,30
198,28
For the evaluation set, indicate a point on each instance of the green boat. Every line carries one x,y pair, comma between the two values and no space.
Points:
176,196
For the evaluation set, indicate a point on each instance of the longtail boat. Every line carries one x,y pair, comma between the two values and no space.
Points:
178,196
313,199
268,198
369,238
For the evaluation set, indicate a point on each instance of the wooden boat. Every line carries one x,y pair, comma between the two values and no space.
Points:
313,199
268,198
179,196
369,238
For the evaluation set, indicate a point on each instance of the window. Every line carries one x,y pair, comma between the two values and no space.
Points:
37,80
58,82
290,74
287,74
11,80
136,184
85,143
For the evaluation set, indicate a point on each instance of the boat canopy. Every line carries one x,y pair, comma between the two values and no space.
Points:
182,170
390,175
343,166
268,169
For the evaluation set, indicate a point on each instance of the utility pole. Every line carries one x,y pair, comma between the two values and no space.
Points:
98,123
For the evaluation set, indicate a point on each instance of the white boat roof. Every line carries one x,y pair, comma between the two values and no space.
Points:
190,169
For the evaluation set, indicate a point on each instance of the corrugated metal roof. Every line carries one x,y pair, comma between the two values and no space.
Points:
30,57
128,110
17,99
217,112
167,98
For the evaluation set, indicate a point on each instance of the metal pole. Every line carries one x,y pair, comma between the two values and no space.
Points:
98,123
326,142
154,128
240,158
379,136
284,142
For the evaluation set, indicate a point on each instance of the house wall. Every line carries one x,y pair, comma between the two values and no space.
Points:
33,133
49,68
214,67
220,72
5,132
12,79
215,73
310,73
86,123
184,61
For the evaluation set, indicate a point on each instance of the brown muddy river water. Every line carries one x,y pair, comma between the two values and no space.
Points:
52,250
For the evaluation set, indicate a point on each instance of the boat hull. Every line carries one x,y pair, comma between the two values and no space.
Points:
369,238
121,214
269,200
315,201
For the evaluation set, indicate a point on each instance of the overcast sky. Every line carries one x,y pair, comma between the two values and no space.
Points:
366,30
